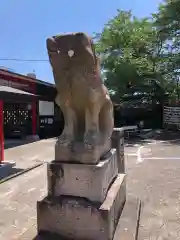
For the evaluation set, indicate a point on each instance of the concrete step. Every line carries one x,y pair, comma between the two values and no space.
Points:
128,225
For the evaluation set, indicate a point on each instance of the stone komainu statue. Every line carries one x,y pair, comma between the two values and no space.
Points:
82,97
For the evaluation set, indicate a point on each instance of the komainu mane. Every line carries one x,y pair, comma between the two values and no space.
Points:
82,97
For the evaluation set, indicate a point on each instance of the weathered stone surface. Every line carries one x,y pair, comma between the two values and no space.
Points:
128,225
82,97
77,218
63,153
78,152
117,141
83,180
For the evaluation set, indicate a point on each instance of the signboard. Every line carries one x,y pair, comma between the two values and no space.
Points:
172,115
46,108
14,84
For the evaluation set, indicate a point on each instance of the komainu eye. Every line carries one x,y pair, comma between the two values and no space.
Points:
70,53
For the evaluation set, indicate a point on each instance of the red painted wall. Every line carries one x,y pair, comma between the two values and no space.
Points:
24,85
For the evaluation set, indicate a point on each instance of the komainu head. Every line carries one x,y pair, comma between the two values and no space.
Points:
71,51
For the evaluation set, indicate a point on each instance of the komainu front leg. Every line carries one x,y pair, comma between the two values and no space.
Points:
63,147
68,134
91,136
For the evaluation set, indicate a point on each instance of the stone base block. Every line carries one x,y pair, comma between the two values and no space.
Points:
88,181
127,227
80,153
78,219
62,152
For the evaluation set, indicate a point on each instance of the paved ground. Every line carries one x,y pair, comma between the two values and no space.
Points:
153,175
26,155
153,169
18,203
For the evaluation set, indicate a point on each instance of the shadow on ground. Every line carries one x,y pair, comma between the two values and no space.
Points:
11,143
10,172
165,135
173,137
130,142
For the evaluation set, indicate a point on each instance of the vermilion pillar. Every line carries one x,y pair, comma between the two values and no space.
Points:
34,116
1,132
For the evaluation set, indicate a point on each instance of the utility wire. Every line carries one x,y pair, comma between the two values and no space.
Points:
23,60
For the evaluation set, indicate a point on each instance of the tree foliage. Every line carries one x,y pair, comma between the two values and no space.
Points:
167,22
141,55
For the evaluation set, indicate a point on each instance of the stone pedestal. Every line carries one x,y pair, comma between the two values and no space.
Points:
84,201
78,218
83,180
117,142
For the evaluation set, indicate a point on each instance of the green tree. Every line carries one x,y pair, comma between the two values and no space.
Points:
167,22
130,52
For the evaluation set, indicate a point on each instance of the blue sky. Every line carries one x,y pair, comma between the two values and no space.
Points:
25,25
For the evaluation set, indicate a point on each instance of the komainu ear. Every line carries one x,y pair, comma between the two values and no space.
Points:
51,45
